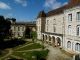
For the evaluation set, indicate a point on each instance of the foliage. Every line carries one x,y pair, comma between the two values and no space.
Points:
12,58
33,35
11,43
3,52
4,28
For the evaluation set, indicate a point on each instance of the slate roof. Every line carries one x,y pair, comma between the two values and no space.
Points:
41,14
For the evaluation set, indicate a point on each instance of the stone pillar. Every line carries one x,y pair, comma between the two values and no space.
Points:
55,41
51,40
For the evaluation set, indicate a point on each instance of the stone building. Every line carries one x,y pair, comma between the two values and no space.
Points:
61,26
18,28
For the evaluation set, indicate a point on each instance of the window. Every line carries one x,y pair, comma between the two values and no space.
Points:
36,22
77,47
70,17
78,16
69,44
54,21
18,34
78,30
14,28
39,21
63,20
18,28
39,28
14,34
22,28
54,29
47,22
70,30
47,28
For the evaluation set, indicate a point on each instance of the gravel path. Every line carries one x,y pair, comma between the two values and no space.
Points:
55,53
10,52
39,49
24,46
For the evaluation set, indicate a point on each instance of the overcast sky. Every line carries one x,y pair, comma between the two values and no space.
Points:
27,10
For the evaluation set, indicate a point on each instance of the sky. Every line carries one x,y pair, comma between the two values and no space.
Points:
27,10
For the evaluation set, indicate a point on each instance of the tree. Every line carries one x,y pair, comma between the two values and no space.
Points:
27,32
33,35
4,28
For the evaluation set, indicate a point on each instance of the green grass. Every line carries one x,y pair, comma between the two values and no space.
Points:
28,42
4,52
29,54
7,57
29,47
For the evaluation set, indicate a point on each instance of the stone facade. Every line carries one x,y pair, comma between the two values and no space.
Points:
18,28
61,27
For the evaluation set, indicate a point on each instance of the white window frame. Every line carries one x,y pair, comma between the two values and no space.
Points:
78,16
69,44
69,30
70,17
78,30
77,47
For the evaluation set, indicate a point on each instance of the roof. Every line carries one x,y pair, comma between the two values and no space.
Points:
73,3
25,23
41,14
56,11
59,10
19,23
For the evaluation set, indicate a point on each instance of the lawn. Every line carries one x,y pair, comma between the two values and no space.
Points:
31,54
4,52
27,42
8,57
29,47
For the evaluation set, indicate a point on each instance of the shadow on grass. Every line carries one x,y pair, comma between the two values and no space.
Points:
11,43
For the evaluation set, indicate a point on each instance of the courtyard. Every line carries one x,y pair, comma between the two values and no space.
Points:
32,51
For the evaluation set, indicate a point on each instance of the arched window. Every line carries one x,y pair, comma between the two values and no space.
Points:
70,30
69,44
77,47
78,30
